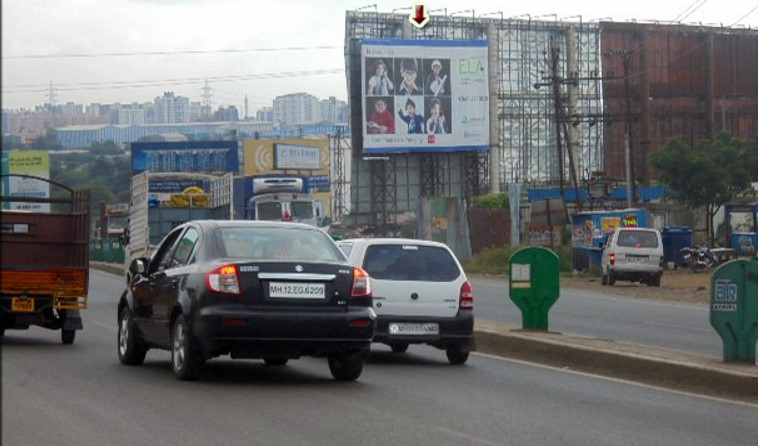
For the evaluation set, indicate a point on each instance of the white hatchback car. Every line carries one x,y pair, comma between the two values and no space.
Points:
421,294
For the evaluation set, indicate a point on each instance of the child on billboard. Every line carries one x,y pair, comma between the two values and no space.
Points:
415,121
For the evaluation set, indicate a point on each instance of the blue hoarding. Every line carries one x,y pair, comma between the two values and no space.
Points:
185,156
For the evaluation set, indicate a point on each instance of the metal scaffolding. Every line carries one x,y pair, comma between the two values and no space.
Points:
528,119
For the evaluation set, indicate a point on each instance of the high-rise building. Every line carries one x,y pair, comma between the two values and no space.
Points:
296,108
131,115
171,109
224,114
265,114
333,110
6,126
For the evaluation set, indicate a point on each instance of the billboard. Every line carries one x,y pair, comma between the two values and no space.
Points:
296,156
34,163
424,95
185,156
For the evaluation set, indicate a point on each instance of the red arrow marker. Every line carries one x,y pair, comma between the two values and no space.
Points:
420,17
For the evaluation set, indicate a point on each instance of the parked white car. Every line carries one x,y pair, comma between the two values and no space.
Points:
634,254
421,294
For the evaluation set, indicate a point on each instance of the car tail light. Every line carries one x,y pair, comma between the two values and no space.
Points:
223,280
612,259
467,296
361,283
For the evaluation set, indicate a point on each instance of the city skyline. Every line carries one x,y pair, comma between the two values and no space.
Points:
140,48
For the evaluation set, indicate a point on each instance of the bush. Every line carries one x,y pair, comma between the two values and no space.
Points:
495,260
491,201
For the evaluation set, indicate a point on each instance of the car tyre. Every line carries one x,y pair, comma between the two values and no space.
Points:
611,278
129,350
456,356
345,368
276,361
184,359
399,347
604,280
656,281
68,336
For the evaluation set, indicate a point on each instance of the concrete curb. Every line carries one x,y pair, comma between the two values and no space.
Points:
640,363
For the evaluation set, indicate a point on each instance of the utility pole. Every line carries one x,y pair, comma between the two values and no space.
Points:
557,108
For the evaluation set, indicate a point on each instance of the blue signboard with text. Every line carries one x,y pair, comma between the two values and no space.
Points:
185,156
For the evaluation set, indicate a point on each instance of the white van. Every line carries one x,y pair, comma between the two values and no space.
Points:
634,254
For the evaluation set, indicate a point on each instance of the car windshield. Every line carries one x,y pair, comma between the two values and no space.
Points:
301,209
410,262
638,239
294,243
269,211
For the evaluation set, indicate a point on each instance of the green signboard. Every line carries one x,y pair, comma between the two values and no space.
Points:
534,284
734,309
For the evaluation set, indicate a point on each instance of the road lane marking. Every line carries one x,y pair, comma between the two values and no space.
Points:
617,380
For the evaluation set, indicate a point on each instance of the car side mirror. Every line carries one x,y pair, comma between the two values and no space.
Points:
138,266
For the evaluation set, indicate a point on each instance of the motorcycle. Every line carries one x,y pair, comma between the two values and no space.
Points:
699,258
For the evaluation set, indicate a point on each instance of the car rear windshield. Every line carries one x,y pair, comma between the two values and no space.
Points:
279,244
638,239
410,262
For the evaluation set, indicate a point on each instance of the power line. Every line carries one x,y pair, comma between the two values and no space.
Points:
157,83
170,53
745,16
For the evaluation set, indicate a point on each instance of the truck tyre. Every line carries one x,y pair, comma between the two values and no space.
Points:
345,368
184,358
129,350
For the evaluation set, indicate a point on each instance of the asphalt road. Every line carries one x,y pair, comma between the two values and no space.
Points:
677,326
80,394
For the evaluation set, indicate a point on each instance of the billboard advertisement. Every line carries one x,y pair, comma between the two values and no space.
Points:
34,163
304,157
185,156
296,156
424,95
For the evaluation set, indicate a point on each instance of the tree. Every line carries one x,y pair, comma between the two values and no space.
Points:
706,176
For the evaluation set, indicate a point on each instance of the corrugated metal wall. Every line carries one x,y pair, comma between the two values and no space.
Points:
683,82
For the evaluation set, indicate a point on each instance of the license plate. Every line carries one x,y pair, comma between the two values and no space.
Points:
22,305
408,328
635,259
281,290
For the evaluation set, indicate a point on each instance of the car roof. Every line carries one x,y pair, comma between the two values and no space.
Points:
393,241
637,229
251,224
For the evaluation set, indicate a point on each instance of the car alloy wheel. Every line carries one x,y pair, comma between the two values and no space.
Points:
183,358
128,352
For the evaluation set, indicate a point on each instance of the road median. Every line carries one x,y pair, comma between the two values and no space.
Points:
640,363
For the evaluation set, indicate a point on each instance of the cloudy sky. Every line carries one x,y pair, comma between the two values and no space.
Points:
133,50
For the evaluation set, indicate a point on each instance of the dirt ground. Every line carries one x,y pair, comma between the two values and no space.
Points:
677,285
680,285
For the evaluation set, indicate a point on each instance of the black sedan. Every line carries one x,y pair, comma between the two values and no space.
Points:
249,289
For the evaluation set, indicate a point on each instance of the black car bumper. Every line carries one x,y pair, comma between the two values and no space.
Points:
455,331
260,334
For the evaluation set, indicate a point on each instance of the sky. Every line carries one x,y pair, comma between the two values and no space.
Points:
108,51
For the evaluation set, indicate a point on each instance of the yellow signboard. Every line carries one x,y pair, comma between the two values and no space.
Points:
261,156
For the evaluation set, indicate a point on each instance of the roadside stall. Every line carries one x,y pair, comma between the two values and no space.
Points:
590,230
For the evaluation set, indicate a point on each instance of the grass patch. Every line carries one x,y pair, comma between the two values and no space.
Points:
495,260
